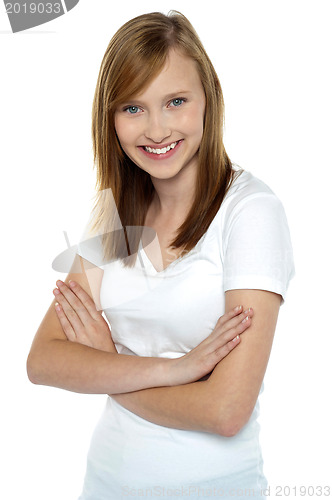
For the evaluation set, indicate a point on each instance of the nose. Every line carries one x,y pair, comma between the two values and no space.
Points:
157,127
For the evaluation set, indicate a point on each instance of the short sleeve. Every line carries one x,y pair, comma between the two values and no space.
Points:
257,247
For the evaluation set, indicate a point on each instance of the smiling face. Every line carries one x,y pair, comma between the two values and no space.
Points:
161,128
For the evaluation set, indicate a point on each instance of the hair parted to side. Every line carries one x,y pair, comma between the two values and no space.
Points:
135,55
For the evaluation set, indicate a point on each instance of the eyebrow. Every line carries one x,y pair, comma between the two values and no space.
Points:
178,92
165,97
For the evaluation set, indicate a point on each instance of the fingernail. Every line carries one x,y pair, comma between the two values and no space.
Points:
59,283
72,283
237,308
247,311
245,319
236,338
56,291
57,307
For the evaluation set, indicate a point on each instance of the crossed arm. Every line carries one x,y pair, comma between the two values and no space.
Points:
222,404
225,401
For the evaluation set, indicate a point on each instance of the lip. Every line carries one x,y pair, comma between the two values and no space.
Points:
158,146
162,156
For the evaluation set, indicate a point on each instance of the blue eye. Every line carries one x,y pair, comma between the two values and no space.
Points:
177,102
132,109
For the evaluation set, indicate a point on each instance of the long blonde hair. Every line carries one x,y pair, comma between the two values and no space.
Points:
135,55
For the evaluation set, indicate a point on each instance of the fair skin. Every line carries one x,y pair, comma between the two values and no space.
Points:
169,110
73,348
226,400
221,404
78,353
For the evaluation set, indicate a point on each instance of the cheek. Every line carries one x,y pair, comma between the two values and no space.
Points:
123,130
193,122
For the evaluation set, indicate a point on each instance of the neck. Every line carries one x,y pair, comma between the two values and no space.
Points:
174,197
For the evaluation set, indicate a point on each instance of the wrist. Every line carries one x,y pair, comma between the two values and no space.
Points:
172,370
166,372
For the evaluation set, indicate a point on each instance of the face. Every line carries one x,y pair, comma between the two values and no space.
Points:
161,128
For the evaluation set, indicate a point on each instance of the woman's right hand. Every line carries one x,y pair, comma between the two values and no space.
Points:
202,359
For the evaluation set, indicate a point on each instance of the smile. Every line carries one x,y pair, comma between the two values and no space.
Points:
160,153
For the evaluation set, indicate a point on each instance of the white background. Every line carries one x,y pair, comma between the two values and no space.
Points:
273,59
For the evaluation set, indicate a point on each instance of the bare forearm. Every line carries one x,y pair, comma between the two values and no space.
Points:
189,407
224,403
79,368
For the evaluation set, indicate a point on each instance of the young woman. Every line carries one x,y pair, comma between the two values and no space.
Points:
189,257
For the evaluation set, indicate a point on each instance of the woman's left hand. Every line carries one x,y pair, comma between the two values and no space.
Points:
80,319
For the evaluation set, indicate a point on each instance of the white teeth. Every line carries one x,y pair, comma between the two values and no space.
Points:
161,151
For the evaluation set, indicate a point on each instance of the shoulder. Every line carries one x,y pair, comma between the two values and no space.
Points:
251,200
245,187
255,239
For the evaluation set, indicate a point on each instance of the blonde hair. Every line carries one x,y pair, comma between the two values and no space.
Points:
135,55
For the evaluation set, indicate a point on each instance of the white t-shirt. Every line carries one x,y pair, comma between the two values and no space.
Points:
167,314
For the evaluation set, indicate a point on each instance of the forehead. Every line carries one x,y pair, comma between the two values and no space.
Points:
178,73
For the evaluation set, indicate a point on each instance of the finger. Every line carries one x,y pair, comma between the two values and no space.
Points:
224,350
66,326
223,336
242,326
75,302
229,315
70,313
85,298
232,322
236,330
79,299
